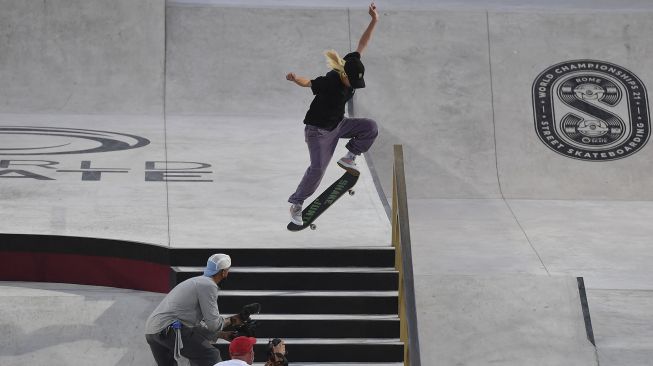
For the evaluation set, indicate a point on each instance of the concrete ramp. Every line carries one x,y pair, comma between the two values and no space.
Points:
522,46
450,85
501,320
59,324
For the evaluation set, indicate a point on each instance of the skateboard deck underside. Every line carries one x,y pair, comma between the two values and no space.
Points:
325,200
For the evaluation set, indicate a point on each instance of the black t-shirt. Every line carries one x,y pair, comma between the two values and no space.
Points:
328,107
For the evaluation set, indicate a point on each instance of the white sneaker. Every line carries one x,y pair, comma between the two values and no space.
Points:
296,214
349,164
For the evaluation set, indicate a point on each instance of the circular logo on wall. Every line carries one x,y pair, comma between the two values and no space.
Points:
58,141
591,110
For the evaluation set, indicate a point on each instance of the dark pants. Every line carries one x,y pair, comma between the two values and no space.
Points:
197,348
321,145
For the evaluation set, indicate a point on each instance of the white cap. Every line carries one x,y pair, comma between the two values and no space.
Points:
216,263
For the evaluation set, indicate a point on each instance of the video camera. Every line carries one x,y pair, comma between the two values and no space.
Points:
248,326
247,329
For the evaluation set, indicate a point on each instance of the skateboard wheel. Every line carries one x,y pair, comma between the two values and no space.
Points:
351,192
312,226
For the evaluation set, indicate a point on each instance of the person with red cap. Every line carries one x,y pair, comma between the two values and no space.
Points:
241,350
326,122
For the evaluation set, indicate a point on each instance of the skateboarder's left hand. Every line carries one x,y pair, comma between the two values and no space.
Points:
372,11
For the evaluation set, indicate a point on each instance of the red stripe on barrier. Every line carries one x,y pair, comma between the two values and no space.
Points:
84,270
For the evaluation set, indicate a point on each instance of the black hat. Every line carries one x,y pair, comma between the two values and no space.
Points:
355,70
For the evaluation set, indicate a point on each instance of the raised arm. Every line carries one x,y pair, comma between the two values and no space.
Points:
301,81
365,38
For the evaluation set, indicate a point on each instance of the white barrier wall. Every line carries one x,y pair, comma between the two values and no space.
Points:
80,56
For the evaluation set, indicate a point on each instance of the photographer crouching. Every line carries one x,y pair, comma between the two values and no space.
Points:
187,321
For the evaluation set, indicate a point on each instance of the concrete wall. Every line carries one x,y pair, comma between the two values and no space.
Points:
428,87
81,56
452,86
430,90
525,44
224,60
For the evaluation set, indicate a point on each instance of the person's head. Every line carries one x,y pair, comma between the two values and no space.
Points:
277,353
354,70
242,348
217,267
350,68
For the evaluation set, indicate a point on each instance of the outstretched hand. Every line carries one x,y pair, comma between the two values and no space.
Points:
367,35
299,80
372,11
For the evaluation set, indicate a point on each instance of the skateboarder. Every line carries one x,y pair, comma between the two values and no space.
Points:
325,122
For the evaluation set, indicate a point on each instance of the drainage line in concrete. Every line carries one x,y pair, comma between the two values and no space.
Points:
496,155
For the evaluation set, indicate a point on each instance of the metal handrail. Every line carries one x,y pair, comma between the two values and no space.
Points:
404,262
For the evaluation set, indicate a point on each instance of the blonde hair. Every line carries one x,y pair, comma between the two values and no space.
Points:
334,61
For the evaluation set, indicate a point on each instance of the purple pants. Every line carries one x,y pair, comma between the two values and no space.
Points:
322,143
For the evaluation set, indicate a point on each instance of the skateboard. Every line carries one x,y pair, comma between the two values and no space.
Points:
325,200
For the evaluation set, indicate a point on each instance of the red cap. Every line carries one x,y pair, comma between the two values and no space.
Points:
242,346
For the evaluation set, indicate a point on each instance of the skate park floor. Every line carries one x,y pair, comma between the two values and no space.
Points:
450,236
483,238
240,200
238,171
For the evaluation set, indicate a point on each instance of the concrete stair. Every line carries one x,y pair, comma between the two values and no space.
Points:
329,305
